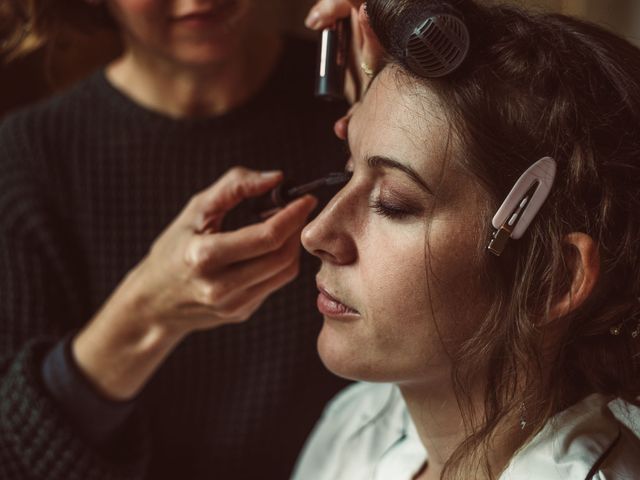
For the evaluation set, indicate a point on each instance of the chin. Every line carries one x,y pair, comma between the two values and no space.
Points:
204,56
350,358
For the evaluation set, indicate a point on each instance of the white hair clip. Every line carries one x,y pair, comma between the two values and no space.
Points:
522,204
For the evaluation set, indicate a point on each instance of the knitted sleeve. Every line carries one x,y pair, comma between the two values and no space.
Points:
38,305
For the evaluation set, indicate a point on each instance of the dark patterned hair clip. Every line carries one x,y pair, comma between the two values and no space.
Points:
436,39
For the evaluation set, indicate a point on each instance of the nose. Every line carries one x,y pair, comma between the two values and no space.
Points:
329,236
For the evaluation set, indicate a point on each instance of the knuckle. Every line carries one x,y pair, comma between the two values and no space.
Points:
238,190
212,294
197,257
269,237
191,257
195,202
237,173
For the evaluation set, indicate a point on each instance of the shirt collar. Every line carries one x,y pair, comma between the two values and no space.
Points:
569,445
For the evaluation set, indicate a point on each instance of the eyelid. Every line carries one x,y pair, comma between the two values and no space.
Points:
398,200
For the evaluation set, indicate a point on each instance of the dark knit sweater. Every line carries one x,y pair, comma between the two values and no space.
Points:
88,180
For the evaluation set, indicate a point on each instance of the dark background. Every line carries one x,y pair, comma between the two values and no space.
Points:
45,71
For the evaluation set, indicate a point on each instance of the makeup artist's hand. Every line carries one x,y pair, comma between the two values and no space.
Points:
194,277
367,53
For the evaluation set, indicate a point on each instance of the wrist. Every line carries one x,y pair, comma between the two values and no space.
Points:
118,362
122,346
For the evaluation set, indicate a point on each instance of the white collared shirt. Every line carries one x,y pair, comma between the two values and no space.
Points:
366,433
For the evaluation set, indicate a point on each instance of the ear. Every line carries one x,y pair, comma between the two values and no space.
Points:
367,53
372,51
583,262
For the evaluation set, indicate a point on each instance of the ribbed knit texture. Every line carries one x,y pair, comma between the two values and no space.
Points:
87,181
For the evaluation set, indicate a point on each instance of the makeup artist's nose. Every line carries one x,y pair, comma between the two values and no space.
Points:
326,236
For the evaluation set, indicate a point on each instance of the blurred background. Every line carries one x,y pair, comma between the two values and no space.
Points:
44,71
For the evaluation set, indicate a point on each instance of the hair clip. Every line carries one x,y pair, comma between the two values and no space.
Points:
434,39
522,204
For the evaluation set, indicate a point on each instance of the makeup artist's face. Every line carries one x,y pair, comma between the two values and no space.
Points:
399,245
193,32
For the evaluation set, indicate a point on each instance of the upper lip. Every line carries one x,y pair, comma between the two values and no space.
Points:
326,292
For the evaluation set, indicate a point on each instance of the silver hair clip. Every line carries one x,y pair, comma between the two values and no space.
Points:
522,204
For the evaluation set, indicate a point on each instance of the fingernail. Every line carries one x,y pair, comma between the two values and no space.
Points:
313,204
312,19
270,174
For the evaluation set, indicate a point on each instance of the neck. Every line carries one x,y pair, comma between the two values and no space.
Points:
439,423
182,91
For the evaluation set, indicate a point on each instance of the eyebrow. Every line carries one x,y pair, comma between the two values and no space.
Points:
378,161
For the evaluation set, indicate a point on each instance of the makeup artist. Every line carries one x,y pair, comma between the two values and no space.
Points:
113,255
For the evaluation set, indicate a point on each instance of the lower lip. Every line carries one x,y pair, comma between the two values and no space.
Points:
331,308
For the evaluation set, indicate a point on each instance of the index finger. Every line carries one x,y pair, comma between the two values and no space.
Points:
325,12
261,238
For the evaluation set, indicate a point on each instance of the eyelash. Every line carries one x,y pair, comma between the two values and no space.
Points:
388,210
383,209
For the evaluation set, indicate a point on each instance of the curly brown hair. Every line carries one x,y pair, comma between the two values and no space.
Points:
538,85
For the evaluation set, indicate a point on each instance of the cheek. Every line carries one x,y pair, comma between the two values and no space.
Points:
457,295
143,19
137,7
394,276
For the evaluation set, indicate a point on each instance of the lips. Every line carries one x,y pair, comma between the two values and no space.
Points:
218,12
331,306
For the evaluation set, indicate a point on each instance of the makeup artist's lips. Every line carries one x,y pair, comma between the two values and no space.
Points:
331,306
210,17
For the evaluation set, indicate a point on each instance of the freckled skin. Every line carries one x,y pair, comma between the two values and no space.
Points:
408,304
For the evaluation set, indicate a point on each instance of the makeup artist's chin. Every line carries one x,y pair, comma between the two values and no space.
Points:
208,50
201,43
203,55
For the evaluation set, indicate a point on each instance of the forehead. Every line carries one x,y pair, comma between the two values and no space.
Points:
399,116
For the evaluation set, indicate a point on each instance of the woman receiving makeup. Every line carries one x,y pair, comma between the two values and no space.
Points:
140,338
479,270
